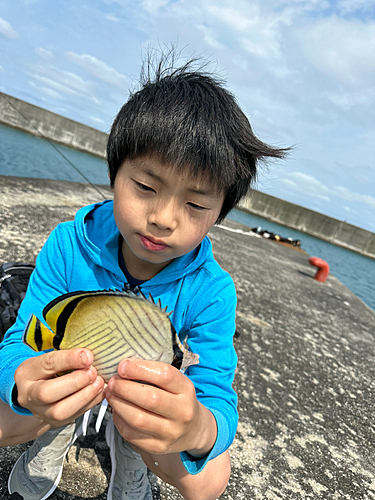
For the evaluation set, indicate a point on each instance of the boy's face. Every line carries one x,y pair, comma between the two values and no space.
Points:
161,214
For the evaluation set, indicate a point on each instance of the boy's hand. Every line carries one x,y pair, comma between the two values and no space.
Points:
164,417
59,400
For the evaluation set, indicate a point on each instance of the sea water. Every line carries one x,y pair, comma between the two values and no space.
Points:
25,155
356,271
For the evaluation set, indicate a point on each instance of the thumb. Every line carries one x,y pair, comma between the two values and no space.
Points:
52,363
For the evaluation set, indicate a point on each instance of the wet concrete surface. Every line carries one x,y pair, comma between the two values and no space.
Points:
305,376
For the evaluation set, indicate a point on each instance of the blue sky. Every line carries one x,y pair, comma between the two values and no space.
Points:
303,71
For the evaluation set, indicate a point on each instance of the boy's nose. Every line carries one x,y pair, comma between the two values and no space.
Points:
164,216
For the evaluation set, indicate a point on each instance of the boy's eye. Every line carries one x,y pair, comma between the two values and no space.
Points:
143,187
197,207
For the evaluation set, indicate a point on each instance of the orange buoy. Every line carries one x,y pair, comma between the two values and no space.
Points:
323,268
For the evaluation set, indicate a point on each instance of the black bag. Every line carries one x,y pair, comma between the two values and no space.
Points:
14,278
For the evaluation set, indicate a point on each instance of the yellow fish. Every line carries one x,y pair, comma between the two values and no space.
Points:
114,325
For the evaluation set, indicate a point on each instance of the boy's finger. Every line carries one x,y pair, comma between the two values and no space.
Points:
148,397
71,407
50,364
165,376
156,441
50,391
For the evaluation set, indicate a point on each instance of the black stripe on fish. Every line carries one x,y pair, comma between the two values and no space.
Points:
141,321
63,318
136,345
38,335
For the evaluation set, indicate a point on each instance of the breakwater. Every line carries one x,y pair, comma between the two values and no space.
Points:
38,121
310,222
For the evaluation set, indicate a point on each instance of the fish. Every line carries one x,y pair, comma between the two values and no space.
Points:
114,325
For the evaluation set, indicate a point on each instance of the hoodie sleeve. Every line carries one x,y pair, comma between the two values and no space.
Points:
210,334
46,282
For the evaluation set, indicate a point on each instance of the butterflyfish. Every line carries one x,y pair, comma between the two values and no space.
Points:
114,325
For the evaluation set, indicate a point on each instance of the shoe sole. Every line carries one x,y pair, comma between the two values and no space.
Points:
76,435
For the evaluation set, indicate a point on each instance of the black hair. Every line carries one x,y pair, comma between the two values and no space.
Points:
186,119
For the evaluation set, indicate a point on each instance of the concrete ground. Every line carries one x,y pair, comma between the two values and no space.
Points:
305,376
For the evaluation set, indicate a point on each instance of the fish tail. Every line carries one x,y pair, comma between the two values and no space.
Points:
37,335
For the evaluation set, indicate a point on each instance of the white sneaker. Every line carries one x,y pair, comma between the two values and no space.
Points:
129,479
38,471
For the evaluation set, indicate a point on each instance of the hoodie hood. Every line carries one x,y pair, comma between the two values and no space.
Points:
98,237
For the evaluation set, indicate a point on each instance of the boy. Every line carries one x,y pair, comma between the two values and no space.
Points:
181,154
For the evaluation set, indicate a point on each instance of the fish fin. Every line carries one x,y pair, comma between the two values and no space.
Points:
37,336
189,359
182,356
159,303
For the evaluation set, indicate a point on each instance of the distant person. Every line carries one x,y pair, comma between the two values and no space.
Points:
181,155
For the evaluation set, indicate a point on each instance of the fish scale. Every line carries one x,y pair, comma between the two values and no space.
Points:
134,328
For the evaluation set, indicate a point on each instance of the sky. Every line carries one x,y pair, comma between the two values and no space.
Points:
303,71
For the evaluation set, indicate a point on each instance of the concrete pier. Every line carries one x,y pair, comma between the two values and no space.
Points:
305,376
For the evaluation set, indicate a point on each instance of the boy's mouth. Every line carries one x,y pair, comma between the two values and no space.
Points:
153,245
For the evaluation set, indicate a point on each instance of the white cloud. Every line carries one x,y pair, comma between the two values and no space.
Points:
312,187
290,183
236,19
99,69
209,36
347,100
350,6
7,30
348,195
54,84
62,81
114,19
44,53
46,90
97,120
95,100
350,210
305,179
324,198
341,49
152,6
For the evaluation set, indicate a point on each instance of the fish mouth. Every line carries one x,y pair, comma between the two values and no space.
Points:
153,244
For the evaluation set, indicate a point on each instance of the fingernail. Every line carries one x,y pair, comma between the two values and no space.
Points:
83,357
122,368
91,373
98,383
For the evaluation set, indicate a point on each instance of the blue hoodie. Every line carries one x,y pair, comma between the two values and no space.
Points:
83,255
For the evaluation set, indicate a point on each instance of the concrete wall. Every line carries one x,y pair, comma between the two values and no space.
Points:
307,221
30,118
37,121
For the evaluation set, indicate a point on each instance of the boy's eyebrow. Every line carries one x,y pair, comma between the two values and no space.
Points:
151,173
207,192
